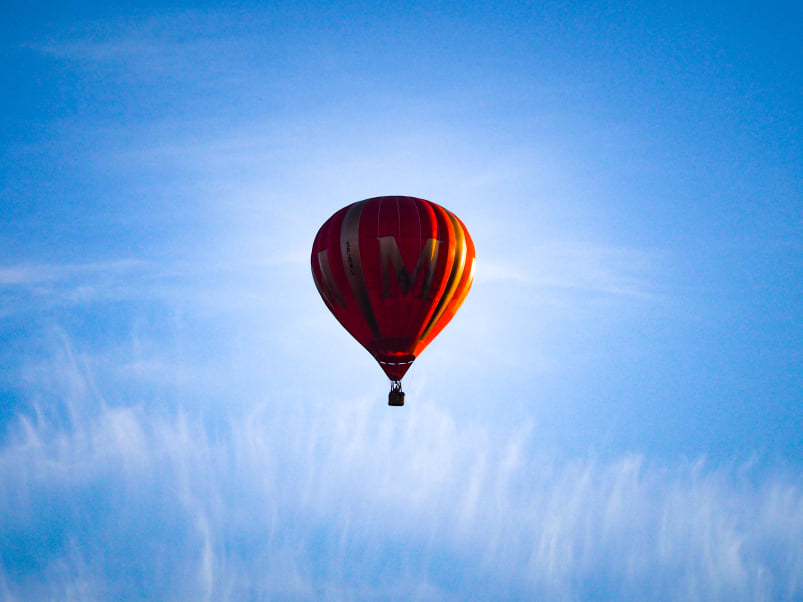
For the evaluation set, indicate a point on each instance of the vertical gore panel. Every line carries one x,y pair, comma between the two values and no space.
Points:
462,286
455,268
352,262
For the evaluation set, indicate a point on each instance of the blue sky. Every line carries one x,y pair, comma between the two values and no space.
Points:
616,410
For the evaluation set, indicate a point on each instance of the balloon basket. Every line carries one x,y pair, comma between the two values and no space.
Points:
396,395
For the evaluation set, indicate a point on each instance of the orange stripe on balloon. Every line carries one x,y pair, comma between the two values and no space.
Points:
455,267
464,277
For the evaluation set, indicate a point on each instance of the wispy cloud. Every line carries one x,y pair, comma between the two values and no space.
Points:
27,274
163,41
578,267
29,287
310,498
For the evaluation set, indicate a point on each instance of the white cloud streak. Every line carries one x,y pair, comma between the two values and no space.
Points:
584,268
336,499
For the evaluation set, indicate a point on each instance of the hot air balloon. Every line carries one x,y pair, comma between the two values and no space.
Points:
393,270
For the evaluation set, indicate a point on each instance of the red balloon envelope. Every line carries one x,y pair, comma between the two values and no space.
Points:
393,270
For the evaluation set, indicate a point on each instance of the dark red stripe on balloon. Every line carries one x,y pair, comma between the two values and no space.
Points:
352,262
